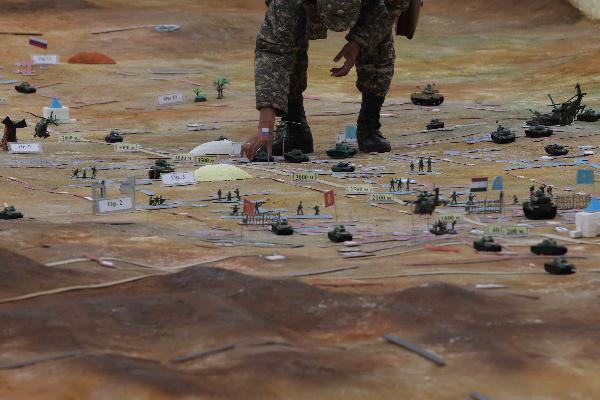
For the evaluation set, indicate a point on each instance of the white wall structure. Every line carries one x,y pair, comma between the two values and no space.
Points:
590,8
588,225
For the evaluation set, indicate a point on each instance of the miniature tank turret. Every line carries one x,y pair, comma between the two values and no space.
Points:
427,202
113,137
441,228
262,156
549,247
540,206
339,234
296,156
486,243
588,115
503,135
342,150
435,124
25,88
559,266
10,212
429,96
563,114
538,131
556,150
343,167
282,228
160,167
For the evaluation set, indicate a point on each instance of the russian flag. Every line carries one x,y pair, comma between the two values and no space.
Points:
41,43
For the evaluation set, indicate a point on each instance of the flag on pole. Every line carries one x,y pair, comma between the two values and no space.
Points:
329,199
585,177
41,43
265,135
249,208
479,184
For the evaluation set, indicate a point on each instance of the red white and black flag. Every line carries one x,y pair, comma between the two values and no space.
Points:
37,42
479,185
329,199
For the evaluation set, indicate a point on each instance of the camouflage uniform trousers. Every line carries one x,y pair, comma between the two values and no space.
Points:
281,56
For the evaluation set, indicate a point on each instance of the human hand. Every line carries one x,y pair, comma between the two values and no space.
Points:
255,142
350,53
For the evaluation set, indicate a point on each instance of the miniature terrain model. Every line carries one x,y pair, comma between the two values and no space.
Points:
429,96
342,150
339,234
10,212
538,131
549,247
540,206
556,150
343,167
503,135
435,124
487,243
563,114
559,266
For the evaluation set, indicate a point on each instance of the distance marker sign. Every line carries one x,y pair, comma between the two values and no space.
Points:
305,176
382,198
169,99
178,179
25,148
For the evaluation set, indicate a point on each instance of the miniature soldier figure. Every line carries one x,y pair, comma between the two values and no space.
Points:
399,183
84,176
161,200
472,197
543,189
94,171
454,198
237,193
407,184
257,205
300,210
429,164
228,196
421,164
317,209
549,191
235,210
219,194
75,173
515,199
531,189
151,201
412,166
453,226
393,185
501,197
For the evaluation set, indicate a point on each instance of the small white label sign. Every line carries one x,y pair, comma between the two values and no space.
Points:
178,179
69,137
168,99
25,148
45,59
113,205
359,189
126,147
182,158
3,100
383,198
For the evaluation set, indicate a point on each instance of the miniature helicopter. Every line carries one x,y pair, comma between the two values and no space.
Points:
41,128
427,202
563,114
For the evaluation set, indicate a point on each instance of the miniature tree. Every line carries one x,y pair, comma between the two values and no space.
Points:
200,95
220,83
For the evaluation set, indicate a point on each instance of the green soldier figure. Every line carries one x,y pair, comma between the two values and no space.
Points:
412,166
399,183
151,201
454,198
281,63
228,196
549,191
94,171
235,210
237,193
300,210
429,164
421,165
515,199
84,175
472,197
317,209
219,194
531,189
75,173
393,185
407,184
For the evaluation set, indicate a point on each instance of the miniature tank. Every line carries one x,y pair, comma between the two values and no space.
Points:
486,243
343,167
559,266
339,234
435,124
549,247
540,206
588,115
430,96
113,137
427,202
503,135
296,156
25,87
160,167
342,150
538,131
441,228
563,114
10,212
282,228
556,150
262,156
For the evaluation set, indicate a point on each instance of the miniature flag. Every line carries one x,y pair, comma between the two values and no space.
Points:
41,43
479,184
265,135
498,183
329,199
585,177
249,208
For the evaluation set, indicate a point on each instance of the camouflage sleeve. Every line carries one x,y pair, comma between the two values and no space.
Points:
276,44
376,20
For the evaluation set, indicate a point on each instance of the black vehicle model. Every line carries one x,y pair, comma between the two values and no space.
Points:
282,228
486,243
556,150
113,137
339,234
563,114
559,266
435,124
540,206
538,131
549,247
343,167
503,135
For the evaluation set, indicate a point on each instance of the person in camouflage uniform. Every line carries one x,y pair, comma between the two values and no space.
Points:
281,63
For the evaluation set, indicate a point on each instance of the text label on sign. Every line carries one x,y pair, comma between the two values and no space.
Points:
178,179
507,230
69,137
359,189
25,148
169,99
44,59
451,217
381,198
182,158
115,205
126,147
305,176
206,159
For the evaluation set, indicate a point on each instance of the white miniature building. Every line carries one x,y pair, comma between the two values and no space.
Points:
588,222
57,111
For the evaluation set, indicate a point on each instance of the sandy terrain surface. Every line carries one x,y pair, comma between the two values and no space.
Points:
191,308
